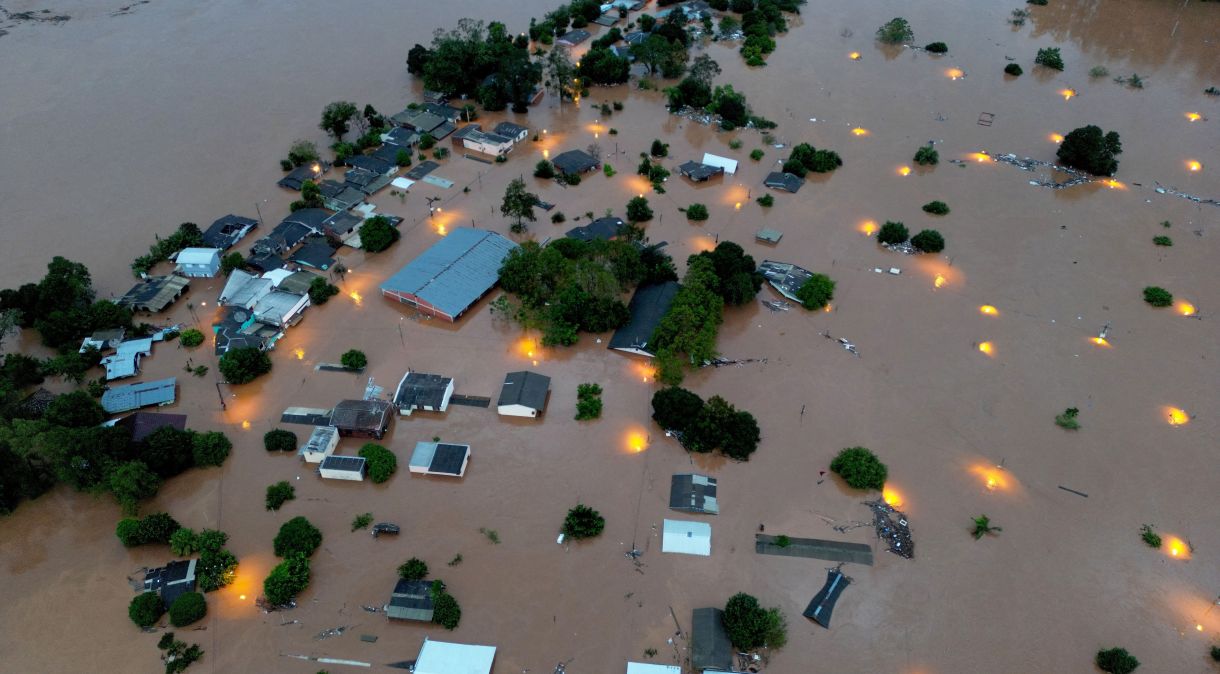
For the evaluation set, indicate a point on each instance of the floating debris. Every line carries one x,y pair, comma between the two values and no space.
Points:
332,632
1175,192
895,532
777,305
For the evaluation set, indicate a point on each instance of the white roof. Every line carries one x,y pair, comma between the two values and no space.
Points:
729,165
197,255
276,276
649,668
687,538
442,657
402,183
244,289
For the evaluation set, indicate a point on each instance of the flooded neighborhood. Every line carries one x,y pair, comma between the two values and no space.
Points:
1032,353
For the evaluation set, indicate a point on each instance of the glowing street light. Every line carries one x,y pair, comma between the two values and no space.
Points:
989,310
1193,116
855,56
1194,165
987,348
1067,94
1056,138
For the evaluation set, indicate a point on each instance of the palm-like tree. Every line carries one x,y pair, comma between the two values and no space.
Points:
982,527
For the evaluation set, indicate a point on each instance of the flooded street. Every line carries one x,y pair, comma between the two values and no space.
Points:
115,128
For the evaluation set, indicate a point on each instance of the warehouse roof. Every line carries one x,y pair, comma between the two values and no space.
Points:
455,272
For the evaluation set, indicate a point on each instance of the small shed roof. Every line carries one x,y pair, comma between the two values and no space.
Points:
142,394
652,668
729,165
687,538
525,388
693,493
768,235
445,458
347,464
647,307
575,161
361,415
710,646
465,131
442,657
510,130
142,424
784,181
455,272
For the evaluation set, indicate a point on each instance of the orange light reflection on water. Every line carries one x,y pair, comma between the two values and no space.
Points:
1183,307
904,171
859,131
993,477
1176,416
1100,341
1176,547
1067,94
987,348
989,310
867,228
1056,138
891,496
1194,166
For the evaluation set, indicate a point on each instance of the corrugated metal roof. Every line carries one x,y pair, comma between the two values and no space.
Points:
443,657
350,464
143,394
687,538
455,272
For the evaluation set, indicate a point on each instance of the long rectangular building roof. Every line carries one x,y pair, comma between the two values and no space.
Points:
455,272
143,394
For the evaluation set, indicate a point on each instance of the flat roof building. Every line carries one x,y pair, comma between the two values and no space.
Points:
523,394
687,538
143,394
452,275
693,493
440,458
342,468
420,391
321,444
411,600
362,418
647,307
441,657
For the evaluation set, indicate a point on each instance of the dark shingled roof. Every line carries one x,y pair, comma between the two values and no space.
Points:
601,228
346,463
411,600
525,388
419,390
575,161
574,37
710,647
693,493
784,181
369,416
142,424
449,458
699,172
227,231
315,253
509,129
823,603
647,307
297,177
155,293
172,580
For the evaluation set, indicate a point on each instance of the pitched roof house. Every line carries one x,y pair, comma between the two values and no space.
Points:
419,391
523,394
647,307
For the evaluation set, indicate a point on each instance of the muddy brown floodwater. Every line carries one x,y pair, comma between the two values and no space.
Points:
119,124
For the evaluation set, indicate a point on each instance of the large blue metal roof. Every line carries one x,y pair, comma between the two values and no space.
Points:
455,272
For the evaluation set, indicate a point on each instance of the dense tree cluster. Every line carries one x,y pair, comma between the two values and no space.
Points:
280,440
583,522
588,401
806,158
155,528
413,569
574,286
706,426
217,566
297,536
61,307
288,579
484,62
189,607
278,494
1088,149
321,290
761,21
187,235
244,365
750,626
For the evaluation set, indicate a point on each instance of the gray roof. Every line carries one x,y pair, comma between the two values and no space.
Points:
693,493
419,390
351,464
419,120
455,272
237,329
411,600
785,277
575,161
525,388
698,171
142,424
361,415
466,131
227,231
601,228
710,646
142,394
172,580
509,129
315,253
371,164
298,283
574,37
297,177
155,293
783,181
401,137
440,457
647,307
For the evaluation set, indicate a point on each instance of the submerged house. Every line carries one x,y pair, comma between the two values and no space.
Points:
700,172
171,581
440,458
786,278
103,339
442,657
573,37
155,293
523,394
321,444
227,231
647,307
574,162
411,600
125,362
514,132
693,493
244,289
198,262
362,418
729,165
419,391
143,424
787,182
601,229
487,143
710,648
239,329
296,177
452,275
342,468
143,394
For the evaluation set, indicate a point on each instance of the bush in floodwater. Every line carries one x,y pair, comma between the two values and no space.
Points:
892,233
1158,297
816,292
896,31
280,440
583,522
1150,537
1099,71
937,47
187,608
1013,69
1068,419
936,208
928,241
1116,661
696,212
860,468
766,201
413,569
354,359
1050,58
1162,241
278,494
146,609
926,156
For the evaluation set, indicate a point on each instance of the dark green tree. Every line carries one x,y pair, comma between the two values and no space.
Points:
381,462
280,440
1158,297
353,359
1116,661
133,482
928,241
859,468
926,156
244,365
519,204
278,494
936,208
336,116
603,66
77,409
676,409
750,626
583,522
146,609
217,567
167,451
297,536
377,234
1050,58
413,569
638,210
544,169
445,611
816,292
892,233
1013,69
738,279
189,607
190,338
288,579
1088,149
210,448
321,290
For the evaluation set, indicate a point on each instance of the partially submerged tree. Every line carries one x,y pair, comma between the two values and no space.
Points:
353,359
189,607
583,522
1116,661
244,365
860,468
892,233
413,569
926,156
146,609
638,210
377,234
278,494
928,241
380,461
1157,296
287,580
1088,149
280,440
297,536
336,117
321,290
749,626
816,292
519,204
895,31
1050,58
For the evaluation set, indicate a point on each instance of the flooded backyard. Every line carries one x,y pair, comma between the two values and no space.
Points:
119,124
